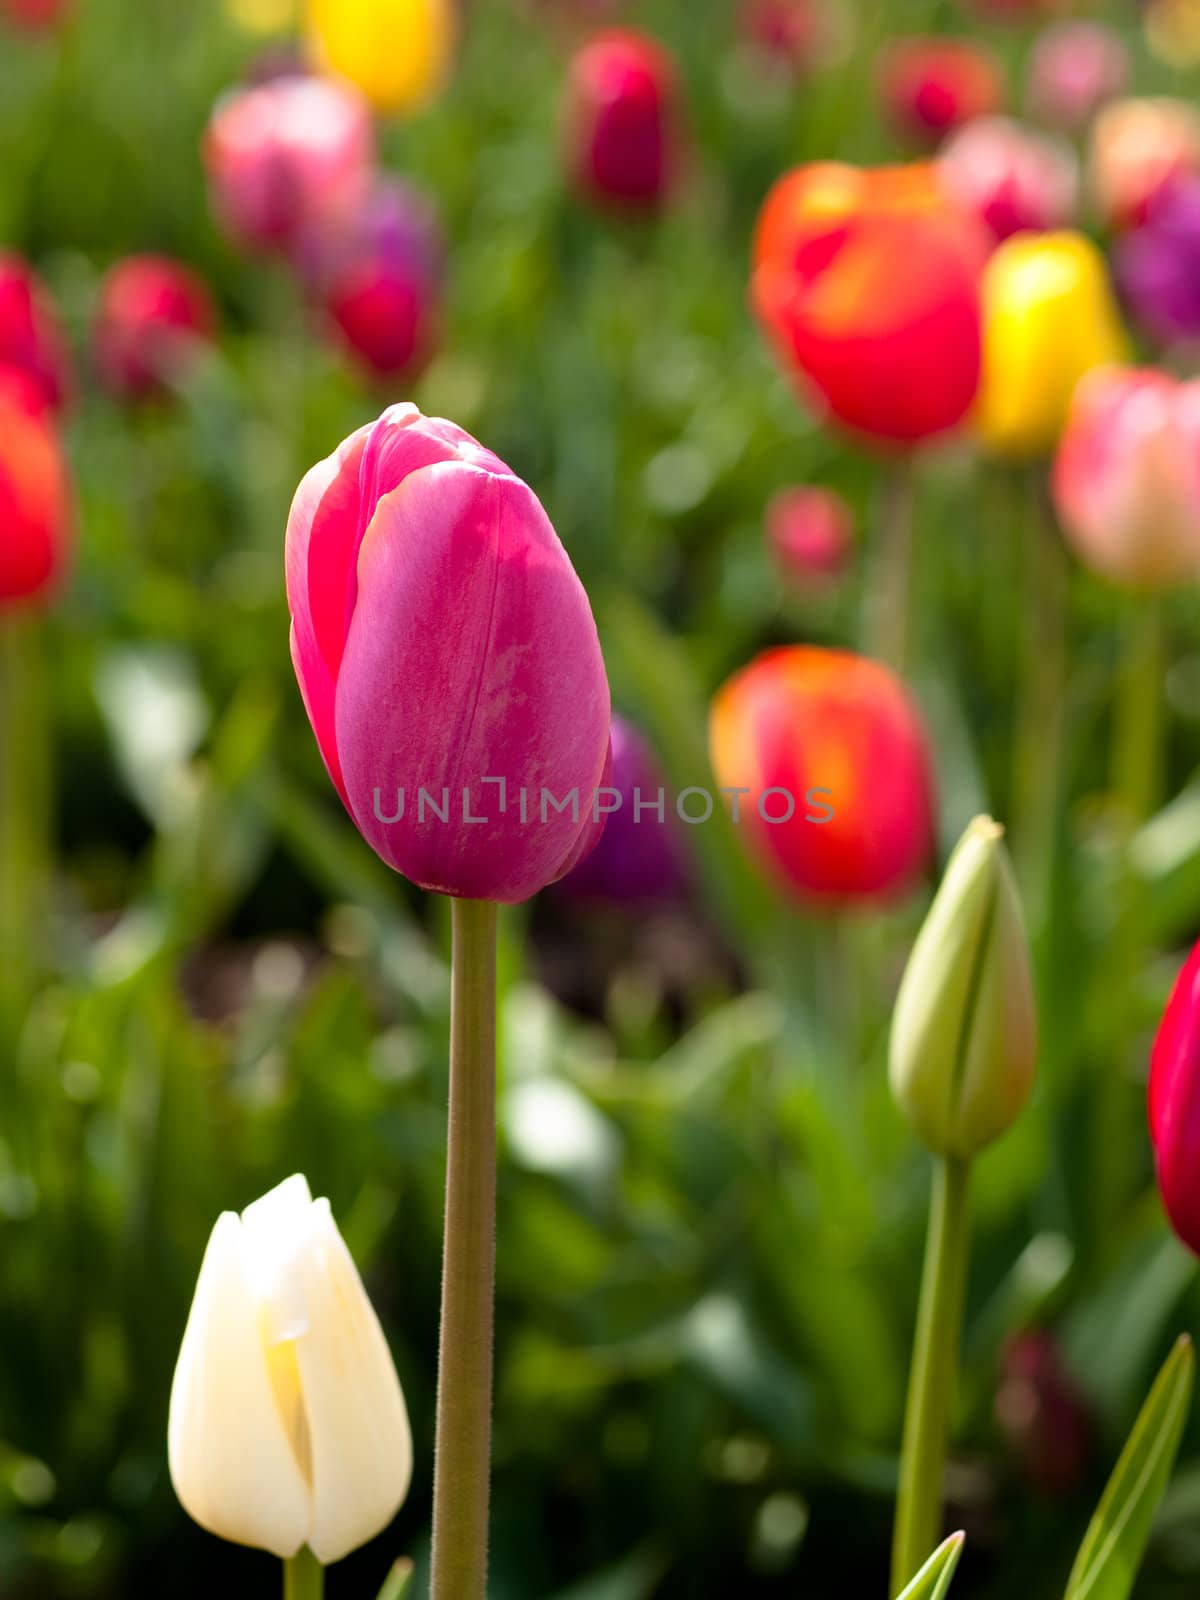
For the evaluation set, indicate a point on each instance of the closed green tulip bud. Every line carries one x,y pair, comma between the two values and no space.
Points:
964,1032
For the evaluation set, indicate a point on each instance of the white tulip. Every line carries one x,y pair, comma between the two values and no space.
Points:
288,1426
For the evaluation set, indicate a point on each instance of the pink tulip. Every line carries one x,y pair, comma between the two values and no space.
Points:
30,337
623,141
810,532
290,153
152,316
1075,67
1127,477
448,660
1010,177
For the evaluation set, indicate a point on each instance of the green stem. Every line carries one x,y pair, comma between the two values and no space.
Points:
934,1371
1137,743
464,1398
25,798
889,616
303,1577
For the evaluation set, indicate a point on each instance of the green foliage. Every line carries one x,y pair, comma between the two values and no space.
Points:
934,1579
1111,1553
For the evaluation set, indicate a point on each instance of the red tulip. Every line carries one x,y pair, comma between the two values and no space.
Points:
292,153
1075,67
867,282
811,535
35,14
1175,1104
379,279
153,313
1127,477
622,134
448,660
933,85
1013,179
30,337
833,763
35,501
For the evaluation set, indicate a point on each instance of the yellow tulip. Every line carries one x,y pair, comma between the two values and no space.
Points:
396,51
1049,316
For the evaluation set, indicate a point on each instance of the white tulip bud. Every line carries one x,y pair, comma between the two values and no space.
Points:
288,1426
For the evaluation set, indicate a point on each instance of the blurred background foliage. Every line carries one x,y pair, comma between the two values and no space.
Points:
710,1213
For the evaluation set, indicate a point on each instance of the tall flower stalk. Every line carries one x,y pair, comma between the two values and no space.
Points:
964,1040
464,1401
933,1372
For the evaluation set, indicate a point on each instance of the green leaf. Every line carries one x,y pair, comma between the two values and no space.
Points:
398,1581
933,1580
1112,1550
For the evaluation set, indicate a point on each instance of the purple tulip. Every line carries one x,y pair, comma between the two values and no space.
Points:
1158,265
639,858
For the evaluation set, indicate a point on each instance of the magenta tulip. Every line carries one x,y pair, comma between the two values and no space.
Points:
448,660
1175,1104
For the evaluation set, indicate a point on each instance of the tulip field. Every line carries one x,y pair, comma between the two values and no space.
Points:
599,799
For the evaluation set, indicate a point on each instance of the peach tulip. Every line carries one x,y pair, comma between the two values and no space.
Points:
1127,477
1137,148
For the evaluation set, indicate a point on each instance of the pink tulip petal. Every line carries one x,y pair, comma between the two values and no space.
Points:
323,520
